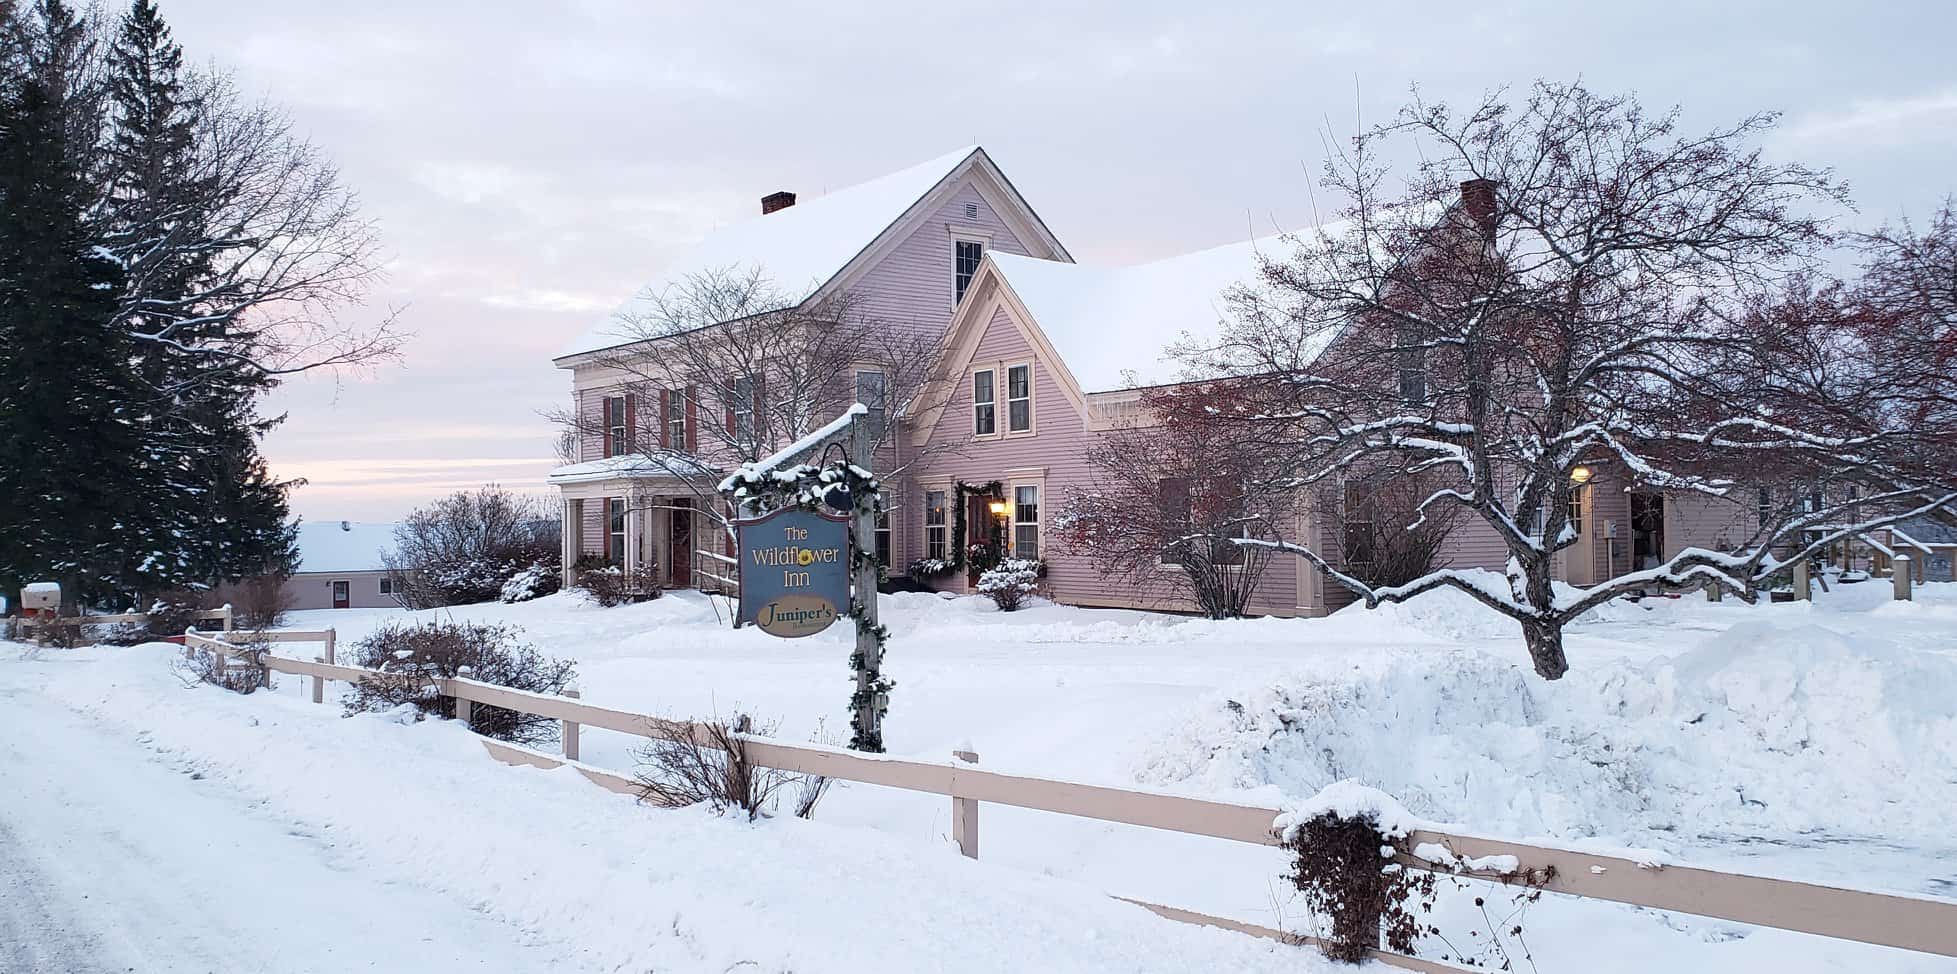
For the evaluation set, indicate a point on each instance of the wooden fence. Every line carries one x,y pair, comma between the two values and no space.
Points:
1908,922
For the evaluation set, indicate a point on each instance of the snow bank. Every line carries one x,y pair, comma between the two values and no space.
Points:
1453,614
1764,729
616,885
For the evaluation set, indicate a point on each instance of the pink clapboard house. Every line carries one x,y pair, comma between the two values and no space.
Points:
1039,355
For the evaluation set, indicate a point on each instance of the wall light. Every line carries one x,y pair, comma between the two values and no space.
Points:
998,508
1580,475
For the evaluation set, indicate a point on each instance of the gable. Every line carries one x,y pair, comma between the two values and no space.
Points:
831,241
992,318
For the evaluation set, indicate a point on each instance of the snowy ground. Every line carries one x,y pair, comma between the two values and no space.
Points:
1817,742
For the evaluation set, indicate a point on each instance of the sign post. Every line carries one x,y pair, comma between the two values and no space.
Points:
870,696
802,568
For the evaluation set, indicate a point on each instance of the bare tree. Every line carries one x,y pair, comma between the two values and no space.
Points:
278,244
464,547
722,369
1591,297
1171,494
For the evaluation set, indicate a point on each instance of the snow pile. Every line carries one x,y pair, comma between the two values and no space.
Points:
1453,614
612,884
1349,799
1761,730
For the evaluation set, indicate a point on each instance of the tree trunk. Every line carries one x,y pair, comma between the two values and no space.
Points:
1545,641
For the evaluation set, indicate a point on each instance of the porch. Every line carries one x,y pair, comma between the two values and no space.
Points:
637,518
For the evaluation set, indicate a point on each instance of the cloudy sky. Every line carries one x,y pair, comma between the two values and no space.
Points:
530,164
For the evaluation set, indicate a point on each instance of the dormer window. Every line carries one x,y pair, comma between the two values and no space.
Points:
965,256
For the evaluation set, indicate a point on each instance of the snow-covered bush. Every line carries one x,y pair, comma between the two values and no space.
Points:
241,673
611,585
926,570
172,612
463,548
412,657
534,582
1011,583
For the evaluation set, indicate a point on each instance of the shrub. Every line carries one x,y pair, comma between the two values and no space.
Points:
611,586
170,613
412,657
466,546
1345,869
927,570
260,602
692,764
243,672
534,582
1013,582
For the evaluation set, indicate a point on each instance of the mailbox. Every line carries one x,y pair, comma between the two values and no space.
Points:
41,598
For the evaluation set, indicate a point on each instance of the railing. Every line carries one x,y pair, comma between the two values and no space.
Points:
1908,922
727,584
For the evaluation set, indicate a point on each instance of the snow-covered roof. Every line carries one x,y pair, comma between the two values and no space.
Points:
630,466
798,249
344,546
1928,531
1112,325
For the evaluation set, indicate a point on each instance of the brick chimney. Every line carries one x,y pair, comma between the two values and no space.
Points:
1478,201
777,201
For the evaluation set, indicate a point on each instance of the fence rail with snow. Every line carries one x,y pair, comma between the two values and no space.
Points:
221,614
1887,919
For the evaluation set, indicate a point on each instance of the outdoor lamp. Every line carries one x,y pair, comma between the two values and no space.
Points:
998,508
1580,475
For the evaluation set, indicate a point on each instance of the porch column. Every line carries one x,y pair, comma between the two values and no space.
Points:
629,558
570,542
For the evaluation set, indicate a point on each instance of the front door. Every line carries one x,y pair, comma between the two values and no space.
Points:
342,594
978,531
681,518
1647,530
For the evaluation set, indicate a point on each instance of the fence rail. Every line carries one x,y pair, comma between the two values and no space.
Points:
1887,919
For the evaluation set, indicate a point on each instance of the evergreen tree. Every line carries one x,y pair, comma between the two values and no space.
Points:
210,495
69,429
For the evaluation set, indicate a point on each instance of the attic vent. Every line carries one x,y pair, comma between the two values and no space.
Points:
971,211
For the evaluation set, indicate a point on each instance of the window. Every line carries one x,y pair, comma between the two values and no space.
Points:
616,430
1026,522
1412,368
883,538
676,419
869,392
615,536
1360,535
1175,504
1576,507
740,408
387,585
935,545
965,256
1019,398
985,418
1763,506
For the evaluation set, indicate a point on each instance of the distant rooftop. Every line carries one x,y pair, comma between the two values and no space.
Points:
343,546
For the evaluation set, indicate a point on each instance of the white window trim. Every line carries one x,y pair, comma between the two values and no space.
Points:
1012,515
856,370
924,539
386,586
1003,394
971,388
674,419
614,420
984,242
969,234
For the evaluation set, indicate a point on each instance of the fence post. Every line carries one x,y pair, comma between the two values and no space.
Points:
227,617
1714,593
319,683
1899,576
330,636
462,707
964,811
1803,586
571,730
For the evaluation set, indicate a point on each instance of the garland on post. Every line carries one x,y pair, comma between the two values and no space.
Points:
960,542
838,485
